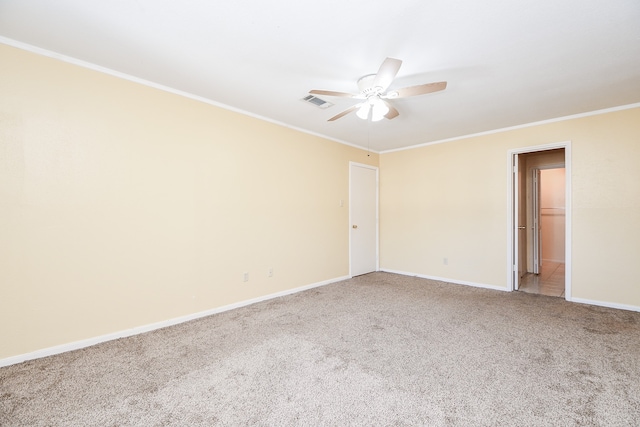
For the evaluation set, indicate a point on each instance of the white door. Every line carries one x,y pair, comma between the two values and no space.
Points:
521,220
363,216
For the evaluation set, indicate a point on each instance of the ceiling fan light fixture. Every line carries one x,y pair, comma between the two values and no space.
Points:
376,116
363,111
379,109
375,106
372,91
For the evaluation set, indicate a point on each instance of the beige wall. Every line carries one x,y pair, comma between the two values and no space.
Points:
450,200
122,205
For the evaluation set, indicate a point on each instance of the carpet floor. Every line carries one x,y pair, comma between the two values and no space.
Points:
379,349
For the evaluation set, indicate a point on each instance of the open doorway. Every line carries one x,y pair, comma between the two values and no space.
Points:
546,223
540,246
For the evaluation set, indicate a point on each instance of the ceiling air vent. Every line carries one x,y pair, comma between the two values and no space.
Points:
318,102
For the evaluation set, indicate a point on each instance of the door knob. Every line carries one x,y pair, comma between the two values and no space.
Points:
521,227
354,226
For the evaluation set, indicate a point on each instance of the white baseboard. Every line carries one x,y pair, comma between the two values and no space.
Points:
605,304
76,345
444,279
497,288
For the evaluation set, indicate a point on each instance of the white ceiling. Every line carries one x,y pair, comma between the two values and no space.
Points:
507,62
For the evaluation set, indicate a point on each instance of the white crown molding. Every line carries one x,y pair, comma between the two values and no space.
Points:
526,125
84,64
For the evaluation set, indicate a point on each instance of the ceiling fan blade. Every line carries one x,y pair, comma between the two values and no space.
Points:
332,93
387,73
345,112
417,90
393,113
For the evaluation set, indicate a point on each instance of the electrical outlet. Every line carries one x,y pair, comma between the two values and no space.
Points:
245,277
445,261
270,272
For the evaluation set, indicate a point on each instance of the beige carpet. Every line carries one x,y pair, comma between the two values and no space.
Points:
379,349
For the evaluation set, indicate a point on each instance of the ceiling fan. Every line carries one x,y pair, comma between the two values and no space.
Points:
375,104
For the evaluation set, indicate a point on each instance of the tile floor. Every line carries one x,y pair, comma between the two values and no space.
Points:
549,282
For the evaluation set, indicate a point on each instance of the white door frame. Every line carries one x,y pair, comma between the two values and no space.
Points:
516,214
362,165
512,222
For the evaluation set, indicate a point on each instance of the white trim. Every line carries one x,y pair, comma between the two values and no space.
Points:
76,345
606,304
362,165
522,126
44,52
498,288
557,261
510,220
444,279
124,76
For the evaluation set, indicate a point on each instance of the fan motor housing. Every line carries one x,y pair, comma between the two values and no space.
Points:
365,85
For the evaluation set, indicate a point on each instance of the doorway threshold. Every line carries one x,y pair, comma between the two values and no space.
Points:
550,281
